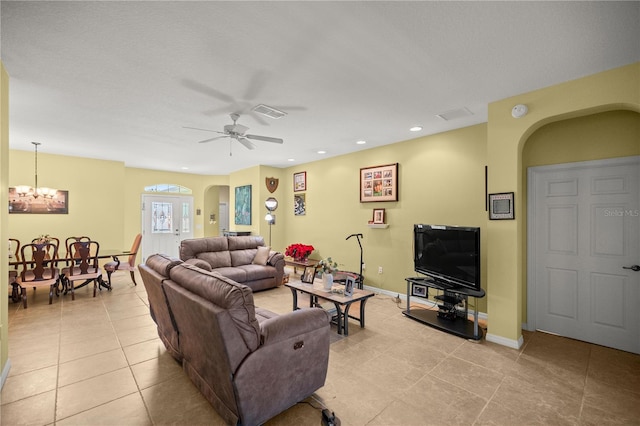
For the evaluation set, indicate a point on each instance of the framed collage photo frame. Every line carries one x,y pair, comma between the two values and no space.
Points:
379,183
501,206
299,181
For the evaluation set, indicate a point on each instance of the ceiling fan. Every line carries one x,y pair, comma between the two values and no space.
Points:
238,132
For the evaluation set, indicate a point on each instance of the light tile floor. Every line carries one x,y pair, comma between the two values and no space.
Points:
96,361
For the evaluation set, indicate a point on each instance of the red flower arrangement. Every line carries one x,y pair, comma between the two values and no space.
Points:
299,251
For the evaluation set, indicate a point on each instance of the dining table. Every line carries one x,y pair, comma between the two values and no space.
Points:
102,254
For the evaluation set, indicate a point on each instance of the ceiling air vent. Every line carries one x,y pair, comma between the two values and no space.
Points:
269,111
454,114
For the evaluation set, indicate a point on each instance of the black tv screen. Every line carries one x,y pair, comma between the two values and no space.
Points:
448,254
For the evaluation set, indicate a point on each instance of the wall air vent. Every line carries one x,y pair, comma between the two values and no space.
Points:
269,111
454,114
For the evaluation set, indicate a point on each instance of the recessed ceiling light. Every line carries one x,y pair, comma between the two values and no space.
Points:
322,152
361,142
415,128
184,168
291,159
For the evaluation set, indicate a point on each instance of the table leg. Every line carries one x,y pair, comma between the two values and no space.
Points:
362,303
295,298
340,318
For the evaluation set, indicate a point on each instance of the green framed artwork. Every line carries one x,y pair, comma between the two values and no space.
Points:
243,205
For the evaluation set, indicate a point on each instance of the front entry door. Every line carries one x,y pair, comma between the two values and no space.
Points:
584,231
166,220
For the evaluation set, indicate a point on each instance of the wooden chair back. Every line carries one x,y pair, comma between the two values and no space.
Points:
86,255
49,253
35,258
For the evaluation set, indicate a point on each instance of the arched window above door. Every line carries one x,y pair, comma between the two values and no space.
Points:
168,188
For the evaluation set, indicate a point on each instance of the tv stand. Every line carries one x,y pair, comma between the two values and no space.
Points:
448,317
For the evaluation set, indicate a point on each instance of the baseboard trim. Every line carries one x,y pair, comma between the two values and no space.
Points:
510,343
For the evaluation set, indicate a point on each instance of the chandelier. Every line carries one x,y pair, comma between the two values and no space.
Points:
35,192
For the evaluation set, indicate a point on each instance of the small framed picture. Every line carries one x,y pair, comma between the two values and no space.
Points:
501,206
378,216
300,181
308,275
348,286
419,290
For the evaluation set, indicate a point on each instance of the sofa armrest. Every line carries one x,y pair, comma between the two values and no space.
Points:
275,257
292,364
296,323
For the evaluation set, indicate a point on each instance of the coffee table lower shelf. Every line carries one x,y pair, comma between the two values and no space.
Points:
460,326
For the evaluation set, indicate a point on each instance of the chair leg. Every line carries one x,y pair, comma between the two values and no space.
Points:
109,277
24,297
133,278
95,285
51,293
73,289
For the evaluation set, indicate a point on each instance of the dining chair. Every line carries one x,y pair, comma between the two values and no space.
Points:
85,268
129,265
68,243
14,256
37,270
53,240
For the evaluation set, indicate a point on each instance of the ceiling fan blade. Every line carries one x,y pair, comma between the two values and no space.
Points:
264,138
213,139
210,91
206,130
246,143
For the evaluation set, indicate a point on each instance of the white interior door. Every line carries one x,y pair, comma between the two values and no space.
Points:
584,231
166,220
223,212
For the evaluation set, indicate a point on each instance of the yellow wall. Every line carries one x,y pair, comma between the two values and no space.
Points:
95,197
610,90
4,214
441,181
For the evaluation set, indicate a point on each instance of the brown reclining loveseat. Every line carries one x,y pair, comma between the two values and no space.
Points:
245,259
248,362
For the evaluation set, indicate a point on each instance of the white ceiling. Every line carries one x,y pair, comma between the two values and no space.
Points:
119,80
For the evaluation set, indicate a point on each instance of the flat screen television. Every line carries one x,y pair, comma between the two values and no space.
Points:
450,255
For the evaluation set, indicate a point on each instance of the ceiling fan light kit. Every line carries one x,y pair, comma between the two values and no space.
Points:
238,132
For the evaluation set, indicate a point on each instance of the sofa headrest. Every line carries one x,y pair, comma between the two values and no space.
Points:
161,263
227,294
190,248
245,242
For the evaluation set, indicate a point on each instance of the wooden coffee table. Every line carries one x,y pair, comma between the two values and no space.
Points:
339,300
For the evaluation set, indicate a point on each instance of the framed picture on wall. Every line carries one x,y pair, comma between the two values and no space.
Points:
299,205
379,183
300,181
501,206
243,205
54,203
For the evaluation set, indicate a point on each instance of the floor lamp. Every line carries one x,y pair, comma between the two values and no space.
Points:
271,204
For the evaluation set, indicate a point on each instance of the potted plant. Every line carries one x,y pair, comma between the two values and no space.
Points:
299,252
328,266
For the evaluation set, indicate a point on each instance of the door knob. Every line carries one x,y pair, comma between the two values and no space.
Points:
635,268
